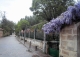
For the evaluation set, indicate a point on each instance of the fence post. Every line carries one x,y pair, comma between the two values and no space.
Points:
19,33
29,34
34,34
24,35
44,43
21,36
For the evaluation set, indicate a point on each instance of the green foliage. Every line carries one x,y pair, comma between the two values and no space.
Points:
54,37
21,25
7,26
33,20
38,26
49,9
27,22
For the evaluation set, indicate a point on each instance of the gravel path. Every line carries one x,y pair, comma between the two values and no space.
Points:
10,47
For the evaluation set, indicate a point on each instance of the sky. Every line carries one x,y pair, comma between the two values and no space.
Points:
15,9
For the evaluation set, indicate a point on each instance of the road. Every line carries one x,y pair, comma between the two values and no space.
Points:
10,47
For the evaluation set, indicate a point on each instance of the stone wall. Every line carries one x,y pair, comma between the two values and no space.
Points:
1,33
35,42
68,41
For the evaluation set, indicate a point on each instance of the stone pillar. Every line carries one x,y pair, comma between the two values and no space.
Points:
68,41
44,43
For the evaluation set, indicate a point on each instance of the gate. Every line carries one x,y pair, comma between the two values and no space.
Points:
53,52
54,49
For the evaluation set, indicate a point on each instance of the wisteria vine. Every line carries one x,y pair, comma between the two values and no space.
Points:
72,14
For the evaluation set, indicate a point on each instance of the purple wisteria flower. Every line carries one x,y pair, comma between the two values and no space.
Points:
67,17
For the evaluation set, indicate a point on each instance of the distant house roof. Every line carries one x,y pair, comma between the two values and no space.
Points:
66,18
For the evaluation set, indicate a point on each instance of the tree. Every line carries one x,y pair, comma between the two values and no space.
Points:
49,9
7,26
71,16
33,20
21,25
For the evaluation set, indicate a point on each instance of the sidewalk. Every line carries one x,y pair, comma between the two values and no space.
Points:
37,53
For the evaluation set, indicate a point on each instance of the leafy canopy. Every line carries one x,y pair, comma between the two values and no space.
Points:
21,25
7,25
49,9
72,14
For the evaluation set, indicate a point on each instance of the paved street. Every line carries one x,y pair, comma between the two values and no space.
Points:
10,47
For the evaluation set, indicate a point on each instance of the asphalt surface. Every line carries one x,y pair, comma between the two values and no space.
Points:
10,47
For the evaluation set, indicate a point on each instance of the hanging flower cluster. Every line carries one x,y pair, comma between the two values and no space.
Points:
72,14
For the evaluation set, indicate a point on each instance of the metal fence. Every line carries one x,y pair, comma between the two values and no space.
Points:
31,34
53,47
39,35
